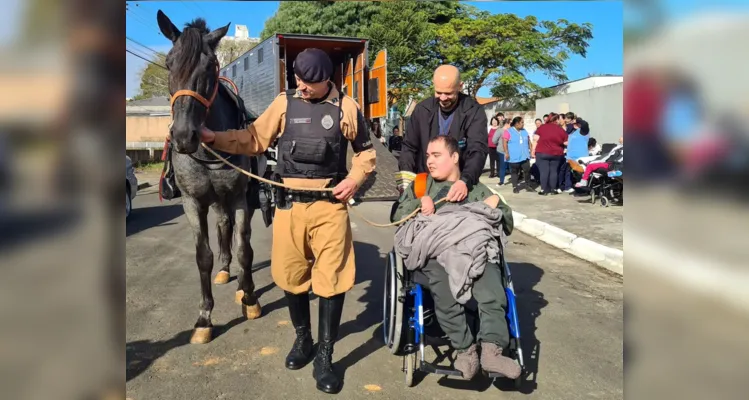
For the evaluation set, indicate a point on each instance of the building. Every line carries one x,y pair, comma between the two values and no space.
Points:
146,127
241,33
597,99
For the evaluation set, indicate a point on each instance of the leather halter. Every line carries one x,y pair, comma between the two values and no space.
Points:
197,96
205,102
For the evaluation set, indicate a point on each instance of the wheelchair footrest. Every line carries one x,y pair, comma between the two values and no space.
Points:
492,375
436,369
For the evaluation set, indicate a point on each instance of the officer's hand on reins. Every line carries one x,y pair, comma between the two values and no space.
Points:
345,189
207,135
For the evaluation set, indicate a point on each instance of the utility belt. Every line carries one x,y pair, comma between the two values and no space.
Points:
286,197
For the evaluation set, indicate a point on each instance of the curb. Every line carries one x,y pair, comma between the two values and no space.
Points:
596,253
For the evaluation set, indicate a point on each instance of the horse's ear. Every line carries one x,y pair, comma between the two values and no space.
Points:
214,37
167,27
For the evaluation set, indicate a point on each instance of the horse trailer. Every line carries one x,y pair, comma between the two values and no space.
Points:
267,70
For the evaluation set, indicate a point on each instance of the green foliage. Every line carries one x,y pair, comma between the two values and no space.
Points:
154,80
500,50
496,51
404,28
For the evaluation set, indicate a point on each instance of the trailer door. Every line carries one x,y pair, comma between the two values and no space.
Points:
359,81
377,100
348,78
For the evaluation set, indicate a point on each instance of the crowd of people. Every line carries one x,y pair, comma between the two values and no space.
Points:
544,154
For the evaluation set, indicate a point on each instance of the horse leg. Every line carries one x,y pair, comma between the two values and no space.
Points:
245,295
197,216
224,228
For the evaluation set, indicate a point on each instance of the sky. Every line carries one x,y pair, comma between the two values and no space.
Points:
604,53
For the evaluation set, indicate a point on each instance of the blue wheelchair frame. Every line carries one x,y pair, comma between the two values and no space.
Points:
411,299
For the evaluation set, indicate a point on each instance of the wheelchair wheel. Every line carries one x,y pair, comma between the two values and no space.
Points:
392,322
592,196
604,201
409,368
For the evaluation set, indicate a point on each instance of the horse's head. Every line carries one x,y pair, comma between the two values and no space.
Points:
193,78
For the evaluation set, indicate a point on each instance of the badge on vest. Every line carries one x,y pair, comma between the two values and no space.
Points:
327,122
462,144
301,120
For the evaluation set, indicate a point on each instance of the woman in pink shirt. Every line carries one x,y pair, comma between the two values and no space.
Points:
499,135
494,165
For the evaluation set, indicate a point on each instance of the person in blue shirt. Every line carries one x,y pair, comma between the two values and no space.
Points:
577,147
517,149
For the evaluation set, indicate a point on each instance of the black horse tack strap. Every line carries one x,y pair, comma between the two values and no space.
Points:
168,183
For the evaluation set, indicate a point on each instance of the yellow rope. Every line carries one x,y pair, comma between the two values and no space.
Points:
270,182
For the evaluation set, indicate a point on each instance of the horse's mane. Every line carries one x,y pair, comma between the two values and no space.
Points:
191,46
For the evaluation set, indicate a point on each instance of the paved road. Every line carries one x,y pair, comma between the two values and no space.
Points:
571,316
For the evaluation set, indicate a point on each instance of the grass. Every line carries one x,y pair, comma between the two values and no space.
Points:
150,167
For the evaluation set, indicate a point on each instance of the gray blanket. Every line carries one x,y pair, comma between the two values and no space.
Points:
463,238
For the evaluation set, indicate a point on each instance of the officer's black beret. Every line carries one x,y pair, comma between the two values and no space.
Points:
313,65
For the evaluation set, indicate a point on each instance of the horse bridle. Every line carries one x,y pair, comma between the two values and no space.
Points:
205,102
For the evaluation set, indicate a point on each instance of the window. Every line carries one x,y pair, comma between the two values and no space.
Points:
356,91
247,63
374,90
234,71
260,56
224,73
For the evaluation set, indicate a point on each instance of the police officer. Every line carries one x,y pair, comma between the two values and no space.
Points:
313,124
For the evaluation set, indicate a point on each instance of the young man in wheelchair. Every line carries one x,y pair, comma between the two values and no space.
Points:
442,162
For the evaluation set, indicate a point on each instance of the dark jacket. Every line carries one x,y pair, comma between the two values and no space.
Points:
469,123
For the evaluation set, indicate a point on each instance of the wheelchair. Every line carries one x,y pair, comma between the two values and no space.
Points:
605,188
410,323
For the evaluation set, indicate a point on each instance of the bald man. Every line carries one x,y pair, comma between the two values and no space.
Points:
449,113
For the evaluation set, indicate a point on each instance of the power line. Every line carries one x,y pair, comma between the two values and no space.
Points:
145,59
138,19
159,53
192,6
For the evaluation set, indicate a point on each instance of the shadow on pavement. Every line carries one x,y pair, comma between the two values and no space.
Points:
149,217
141,354
525,277
370,268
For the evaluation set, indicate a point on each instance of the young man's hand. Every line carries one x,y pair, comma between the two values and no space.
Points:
427,205
507,156
492,201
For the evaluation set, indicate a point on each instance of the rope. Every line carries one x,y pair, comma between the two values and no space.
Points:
274,183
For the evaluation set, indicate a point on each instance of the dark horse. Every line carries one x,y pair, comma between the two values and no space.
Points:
199,98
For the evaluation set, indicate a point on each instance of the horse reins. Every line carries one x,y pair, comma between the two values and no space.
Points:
274,183
207,104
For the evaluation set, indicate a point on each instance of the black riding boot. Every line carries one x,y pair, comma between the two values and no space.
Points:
301,352
330,319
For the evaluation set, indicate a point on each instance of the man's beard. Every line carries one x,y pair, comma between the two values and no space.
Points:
448,107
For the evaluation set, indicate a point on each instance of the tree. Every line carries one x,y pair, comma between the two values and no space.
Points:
405,28
154,80
500,50
229,50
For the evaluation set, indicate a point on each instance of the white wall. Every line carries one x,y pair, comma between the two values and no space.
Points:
588,83
601,107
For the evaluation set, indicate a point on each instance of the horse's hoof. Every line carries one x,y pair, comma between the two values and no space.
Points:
222,278
238,297
201,336
252,312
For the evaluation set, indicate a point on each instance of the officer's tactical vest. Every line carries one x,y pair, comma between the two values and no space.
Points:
312,145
